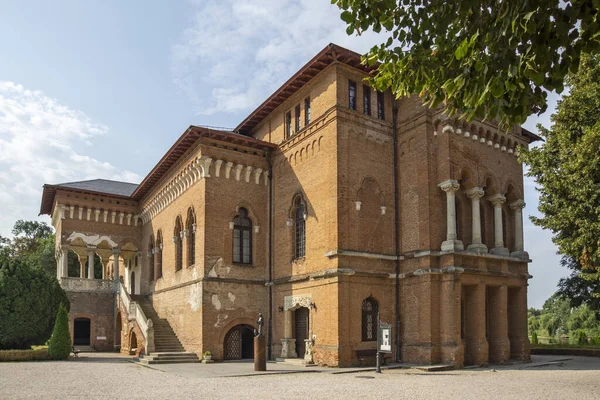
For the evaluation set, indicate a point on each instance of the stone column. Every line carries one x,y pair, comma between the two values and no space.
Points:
65,261
517,208
476,343
476,246
81,267
451,242
90,258
116,254
288,343
497,200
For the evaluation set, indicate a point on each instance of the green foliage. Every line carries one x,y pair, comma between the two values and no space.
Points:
481,58
33,242
24,355
59,347
578,289
581,337
567,170
29,301
534,338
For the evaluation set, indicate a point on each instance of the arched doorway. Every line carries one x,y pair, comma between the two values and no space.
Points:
133,344
301,330
81,332
239,343
118,331
132,281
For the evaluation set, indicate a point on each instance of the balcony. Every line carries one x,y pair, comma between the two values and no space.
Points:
87,285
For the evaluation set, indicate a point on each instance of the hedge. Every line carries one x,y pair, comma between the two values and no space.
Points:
24,355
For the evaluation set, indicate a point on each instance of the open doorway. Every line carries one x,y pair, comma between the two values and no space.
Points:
81,332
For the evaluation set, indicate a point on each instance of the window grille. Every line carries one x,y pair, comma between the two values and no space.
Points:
380,106
242,238
367,100
352,95
370,311
178,244
191,238
300,229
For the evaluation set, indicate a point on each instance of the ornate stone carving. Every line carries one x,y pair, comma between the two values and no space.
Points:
293,302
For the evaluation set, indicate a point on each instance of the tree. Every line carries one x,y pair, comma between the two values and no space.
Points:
578,290
480,58
59,347
29,301
567,170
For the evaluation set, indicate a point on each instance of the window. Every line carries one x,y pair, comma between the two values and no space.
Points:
380,106
366,100
370,313
352,95
158,259
288,124
191,238
242,238
300,222
297,117
306,111
178,240
151,260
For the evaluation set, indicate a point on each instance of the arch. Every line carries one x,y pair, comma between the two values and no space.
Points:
512,194
491,186
238,343
133,342
370,312
82,331
242,237
190,228
368,186
466,178
251,214
150,256
131,241
178,241
118,329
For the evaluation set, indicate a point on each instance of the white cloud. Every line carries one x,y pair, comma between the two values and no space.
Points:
38,137
237,53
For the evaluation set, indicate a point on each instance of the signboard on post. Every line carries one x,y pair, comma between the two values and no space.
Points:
384,338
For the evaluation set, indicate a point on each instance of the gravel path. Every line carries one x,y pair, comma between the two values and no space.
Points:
578,378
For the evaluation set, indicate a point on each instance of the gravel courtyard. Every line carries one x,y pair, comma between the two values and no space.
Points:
111,378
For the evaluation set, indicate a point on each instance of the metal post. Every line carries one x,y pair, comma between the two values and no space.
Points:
378,354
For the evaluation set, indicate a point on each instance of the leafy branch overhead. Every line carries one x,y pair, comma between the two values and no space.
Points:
489,59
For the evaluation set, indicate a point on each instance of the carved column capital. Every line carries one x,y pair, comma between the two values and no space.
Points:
519,204
497,200
475,193
449,186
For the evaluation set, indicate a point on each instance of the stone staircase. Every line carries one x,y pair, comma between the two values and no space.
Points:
168,348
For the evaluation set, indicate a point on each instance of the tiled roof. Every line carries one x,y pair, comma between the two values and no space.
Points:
103,186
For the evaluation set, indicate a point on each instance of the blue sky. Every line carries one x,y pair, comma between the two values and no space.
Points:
103,89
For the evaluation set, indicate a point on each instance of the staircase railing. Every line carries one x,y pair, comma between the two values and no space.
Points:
136,313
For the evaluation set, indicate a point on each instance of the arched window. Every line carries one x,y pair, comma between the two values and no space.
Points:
242,238
370,311
191,238
151,259
300,225
178,240
158,259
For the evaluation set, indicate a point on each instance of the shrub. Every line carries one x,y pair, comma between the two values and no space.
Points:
595,340
534,338
25,355
207,354
29,301
60,342
581,337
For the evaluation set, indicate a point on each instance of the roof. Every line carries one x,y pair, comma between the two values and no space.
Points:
184,142
330,54
103,186
532,137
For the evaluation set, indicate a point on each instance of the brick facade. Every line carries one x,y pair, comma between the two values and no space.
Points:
461,305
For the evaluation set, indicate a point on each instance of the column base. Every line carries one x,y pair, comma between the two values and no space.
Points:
308,355
520,254
500,251
478,248
288,348
452,245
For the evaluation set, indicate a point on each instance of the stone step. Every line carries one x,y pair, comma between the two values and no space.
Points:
172,354
179,361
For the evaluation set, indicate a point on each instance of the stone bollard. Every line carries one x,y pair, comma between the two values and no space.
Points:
260,354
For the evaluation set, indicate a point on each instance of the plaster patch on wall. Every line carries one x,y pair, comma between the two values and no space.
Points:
231,298
221,318
216,302
195,297
218,268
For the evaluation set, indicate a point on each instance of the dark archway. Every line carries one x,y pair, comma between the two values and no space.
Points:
301,330
81,332
118,330
132,282
239,343
133,344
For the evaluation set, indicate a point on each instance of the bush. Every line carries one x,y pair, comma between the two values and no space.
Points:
29,301
595,341
534,338
60,342
25,355
581,337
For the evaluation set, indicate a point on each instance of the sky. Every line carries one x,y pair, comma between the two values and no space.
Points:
103,89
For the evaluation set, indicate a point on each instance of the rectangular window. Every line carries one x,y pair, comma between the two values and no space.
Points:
246,246
352,95
306,111
380,106
237,257
297,112
288,124
367,100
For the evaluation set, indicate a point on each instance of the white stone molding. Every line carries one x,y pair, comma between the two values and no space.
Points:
89,213
105,216
297,301
228,166
447,128
266,175
497,200
257,173
129,215
476,246
135,219
71,211
256,229
113,216
451,243
467,134
80,212
383,210
474,137
218,164
231,225
248,172
357,205
91,240
96,215
238,171
121,215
